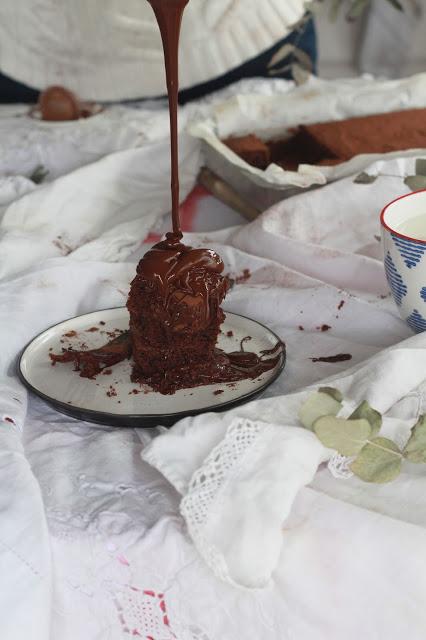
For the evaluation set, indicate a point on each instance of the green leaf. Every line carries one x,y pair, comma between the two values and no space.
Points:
303,58
365,178
357,7
279,70
314,7
415,182
415,449
379,461
318,404
299,74
334,10
396,4
421,167
372,416
348,437
331,391
280,55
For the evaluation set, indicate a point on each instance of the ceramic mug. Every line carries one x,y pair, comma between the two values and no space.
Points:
403,224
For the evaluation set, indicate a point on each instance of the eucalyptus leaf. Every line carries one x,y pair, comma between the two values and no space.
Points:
334,10
379,461
348,437
315,7
372,416
299,74
357,7
396,4
279,70
415,182
280,55
331,391
303,58
415,449
317,405
421,167
365,178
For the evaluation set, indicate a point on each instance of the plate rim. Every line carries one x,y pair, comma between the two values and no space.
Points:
103,416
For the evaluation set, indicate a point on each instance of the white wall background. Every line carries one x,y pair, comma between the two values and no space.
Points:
396,43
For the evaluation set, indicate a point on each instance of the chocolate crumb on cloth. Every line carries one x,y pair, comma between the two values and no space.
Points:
324,327
340,357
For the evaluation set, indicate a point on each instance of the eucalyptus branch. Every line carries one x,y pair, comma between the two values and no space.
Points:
375,458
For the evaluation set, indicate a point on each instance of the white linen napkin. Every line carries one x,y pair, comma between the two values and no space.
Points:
240,472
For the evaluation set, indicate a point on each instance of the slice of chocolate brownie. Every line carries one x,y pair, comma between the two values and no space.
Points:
251,149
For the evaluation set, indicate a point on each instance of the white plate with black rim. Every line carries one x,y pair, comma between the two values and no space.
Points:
112,398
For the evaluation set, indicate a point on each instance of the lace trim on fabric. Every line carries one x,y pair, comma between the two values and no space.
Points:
339,466
220,466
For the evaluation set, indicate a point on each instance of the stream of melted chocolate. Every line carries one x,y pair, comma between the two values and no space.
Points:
169,17
187,280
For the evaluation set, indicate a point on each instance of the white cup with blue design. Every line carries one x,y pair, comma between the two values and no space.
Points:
404,242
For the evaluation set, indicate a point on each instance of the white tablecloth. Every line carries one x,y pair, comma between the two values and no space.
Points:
91,542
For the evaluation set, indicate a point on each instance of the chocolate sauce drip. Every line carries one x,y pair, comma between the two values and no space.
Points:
222,368
170,261
91,363
184,285
169,17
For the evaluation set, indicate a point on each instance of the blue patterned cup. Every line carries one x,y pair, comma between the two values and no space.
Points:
404,242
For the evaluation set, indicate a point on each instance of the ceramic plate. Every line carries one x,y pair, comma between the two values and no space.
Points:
112,398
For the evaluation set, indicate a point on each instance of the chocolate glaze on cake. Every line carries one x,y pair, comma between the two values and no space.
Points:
174,300
175,315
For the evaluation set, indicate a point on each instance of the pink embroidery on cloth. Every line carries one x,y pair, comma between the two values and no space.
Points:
143,613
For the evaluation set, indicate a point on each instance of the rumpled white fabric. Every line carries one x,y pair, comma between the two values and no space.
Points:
240,475
92,541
